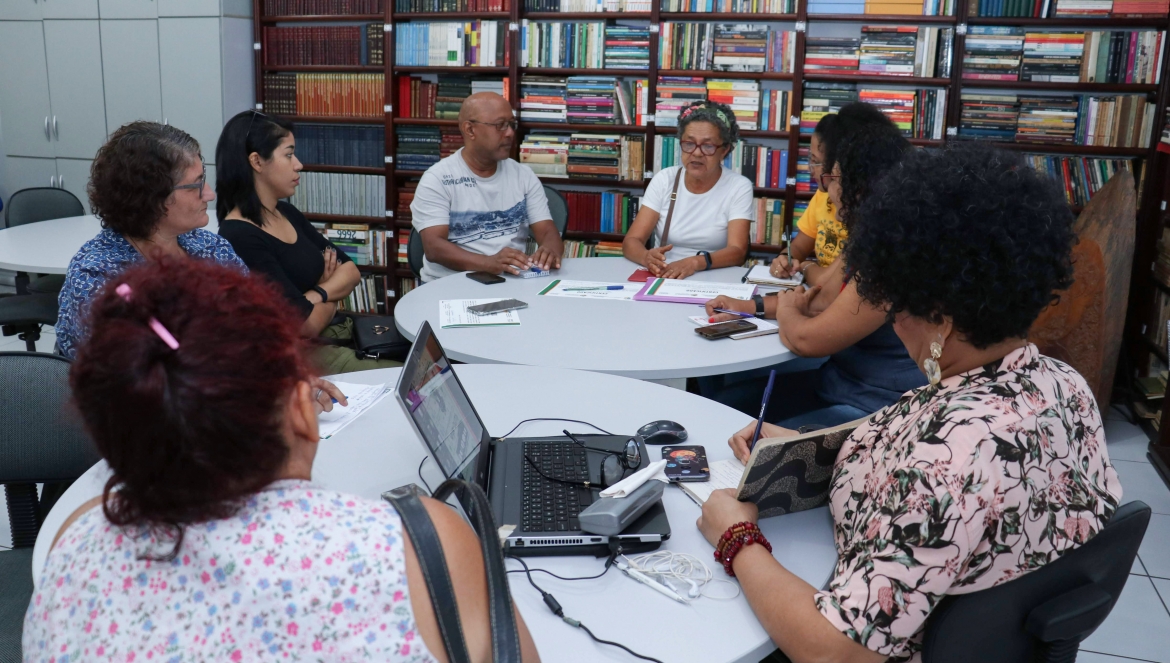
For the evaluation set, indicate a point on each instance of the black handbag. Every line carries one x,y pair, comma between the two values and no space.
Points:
376,336
433,563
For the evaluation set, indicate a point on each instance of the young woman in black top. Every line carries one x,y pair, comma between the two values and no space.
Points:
257,167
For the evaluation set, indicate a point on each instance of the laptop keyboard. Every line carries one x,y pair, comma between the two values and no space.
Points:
551,506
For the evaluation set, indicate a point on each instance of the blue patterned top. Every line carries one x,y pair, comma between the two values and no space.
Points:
104,257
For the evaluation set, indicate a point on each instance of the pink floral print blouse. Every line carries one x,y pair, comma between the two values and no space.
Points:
957,488
298,574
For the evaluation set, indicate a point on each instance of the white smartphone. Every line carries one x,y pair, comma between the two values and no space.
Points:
498,307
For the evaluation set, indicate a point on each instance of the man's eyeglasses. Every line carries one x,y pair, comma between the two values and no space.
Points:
689,146
500,126
197,184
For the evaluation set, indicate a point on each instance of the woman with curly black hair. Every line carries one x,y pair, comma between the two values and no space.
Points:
149,188
706,225
994,469
868,367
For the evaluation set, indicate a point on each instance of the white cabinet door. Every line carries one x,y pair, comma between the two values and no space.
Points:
130,69
27,173
189,65
73,176
75,86
20,10
128,8
24,89
188,7
68,8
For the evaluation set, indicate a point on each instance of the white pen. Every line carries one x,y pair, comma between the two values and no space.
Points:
650,582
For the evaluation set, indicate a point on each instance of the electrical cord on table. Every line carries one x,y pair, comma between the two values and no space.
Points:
420,476
557,610
576,421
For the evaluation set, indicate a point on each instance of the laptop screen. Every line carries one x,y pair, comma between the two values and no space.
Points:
439,406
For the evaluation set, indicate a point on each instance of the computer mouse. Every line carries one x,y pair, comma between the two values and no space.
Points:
663,432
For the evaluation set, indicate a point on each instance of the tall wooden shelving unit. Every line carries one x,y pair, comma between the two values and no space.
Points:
1150,219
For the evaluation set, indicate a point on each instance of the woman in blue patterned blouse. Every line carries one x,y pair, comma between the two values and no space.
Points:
149,188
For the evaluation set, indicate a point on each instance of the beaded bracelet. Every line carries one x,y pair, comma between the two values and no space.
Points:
736,538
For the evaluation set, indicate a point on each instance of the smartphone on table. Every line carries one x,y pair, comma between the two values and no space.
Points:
497,307
686,463
725,329
485,278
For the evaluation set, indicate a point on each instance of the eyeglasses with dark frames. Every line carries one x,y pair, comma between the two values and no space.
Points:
197,184
500,126
614,467
689,146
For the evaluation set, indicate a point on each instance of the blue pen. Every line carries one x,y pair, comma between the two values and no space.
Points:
763,409
608,287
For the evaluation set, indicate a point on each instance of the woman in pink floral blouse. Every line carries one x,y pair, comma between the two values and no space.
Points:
212,542
994,469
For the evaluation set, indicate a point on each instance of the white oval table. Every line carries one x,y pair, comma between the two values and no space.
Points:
380,451
46,247
643,340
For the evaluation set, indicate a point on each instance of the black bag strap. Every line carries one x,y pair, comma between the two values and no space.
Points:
433,563
670,210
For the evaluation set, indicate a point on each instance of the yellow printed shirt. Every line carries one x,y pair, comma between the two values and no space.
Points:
820,221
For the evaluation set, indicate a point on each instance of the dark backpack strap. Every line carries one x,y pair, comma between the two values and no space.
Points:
433,564
670,210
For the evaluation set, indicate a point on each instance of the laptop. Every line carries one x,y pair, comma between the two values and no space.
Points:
538,512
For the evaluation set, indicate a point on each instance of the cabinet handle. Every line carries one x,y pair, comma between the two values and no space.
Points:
48,136
52,180
56,133
61,181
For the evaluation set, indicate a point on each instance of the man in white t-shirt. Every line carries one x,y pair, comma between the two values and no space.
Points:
474,209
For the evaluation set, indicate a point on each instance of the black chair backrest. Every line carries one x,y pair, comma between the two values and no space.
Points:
414,253
1045,614
558,208
41,204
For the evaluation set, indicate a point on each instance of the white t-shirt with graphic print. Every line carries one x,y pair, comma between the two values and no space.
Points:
484,214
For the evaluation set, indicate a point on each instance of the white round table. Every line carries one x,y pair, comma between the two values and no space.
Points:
380,451
46,247
643,340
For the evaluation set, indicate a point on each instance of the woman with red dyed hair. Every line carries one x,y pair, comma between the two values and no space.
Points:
211,539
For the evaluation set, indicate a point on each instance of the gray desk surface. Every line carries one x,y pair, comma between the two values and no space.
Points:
644,340
380,451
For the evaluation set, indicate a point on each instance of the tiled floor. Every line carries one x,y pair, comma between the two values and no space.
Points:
1138,629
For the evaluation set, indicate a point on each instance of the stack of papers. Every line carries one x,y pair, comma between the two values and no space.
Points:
692,292
724,474
590,290
762,275
454,313
763,327
360,397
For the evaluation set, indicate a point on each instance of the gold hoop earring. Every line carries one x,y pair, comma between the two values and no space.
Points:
930,364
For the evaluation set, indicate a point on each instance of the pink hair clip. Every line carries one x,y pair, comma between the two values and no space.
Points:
166,336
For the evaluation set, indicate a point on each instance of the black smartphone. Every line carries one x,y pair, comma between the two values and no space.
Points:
687,463
485,278
724,329
497,307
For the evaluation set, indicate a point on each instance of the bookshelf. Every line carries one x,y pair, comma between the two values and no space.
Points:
804,23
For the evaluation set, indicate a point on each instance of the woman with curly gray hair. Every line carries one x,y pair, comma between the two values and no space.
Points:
708,208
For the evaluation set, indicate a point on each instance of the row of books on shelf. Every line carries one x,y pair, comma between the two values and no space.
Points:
452,44
365,245
1082,177
581,99
1002,53
889,50
324,45
584,45
917,113
321,7
753,108
341,145
343,194
406,284
604,212
1097,9
726,47
369,296
766,167
441,100
902,7
325,95
1156,330
440,6
1164,142
603,157
768,226
729,6
420,147
587,6
1110,121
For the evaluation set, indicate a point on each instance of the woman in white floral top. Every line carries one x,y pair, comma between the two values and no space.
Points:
213,543
993,470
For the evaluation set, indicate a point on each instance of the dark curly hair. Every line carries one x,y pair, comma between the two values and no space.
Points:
188,433
865,155
235,187
134,174
714,113
849,120
971,233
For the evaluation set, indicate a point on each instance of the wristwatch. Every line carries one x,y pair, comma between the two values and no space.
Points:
706,256
759,305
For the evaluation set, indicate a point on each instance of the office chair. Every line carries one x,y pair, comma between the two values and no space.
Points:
23,315
40,204
414,253
42,443
1042,616
558,208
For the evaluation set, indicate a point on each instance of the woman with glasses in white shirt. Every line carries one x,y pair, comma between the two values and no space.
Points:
713,206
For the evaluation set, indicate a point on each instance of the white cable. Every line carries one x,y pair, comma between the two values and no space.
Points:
686,570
